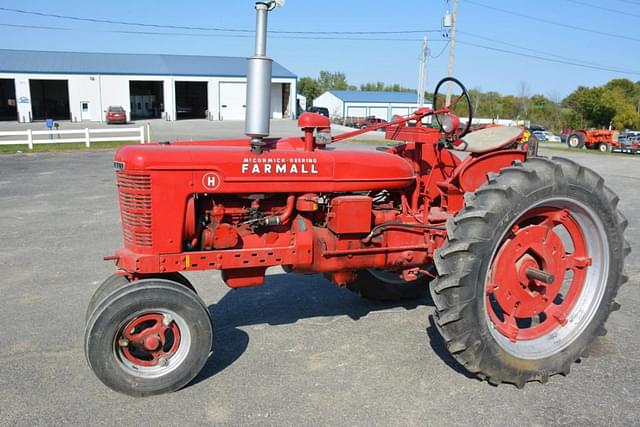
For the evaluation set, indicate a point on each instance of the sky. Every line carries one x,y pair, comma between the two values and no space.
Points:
589,32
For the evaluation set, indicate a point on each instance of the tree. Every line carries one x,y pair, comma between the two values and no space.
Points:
629,89
309,88
523,100
476,96
332,81
381,87
491,106
626,115
510,107
544,111
371,86
588,102
572,119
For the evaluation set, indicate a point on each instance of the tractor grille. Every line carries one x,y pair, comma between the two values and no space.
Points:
134,192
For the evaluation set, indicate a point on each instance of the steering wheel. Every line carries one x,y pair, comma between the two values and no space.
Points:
464,94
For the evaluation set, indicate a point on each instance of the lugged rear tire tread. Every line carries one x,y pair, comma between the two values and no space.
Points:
461,263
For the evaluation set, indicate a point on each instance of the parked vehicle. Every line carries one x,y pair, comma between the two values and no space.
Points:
368,122
546,136
629,143
116,114
551,137
603,140
539,135
319,110
523,255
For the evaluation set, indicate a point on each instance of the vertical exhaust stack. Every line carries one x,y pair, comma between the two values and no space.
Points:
259,80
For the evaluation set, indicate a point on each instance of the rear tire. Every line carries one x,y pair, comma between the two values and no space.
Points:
575,140
529,338
147,339
378,285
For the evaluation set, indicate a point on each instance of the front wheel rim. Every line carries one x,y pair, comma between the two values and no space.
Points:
152,343
533,319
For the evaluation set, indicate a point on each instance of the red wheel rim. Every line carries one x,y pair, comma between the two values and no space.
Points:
149,340
547,240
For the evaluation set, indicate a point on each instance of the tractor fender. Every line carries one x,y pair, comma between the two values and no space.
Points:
473,171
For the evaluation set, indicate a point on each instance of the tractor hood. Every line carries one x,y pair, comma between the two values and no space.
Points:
231,167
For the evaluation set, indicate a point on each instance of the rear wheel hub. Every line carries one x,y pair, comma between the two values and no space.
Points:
537,275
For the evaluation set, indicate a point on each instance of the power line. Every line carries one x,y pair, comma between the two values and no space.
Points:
629,2
444,48
606,9
180,27
558,59
567,61
244,36
502,42
542,58
550,22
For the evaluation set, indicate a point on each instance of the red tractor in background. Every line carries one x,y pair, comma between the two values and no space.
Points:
605,141
523,255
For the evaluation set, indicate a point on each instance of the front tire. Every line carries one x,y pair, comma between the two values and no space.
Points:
543,216
115,282
605,148
148,339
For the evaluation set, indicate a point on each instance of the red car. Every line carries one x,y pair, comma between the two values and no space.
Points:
369,121
116,115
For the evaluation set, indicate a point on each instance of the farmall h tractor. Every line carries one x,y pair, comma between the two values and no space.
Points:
523,255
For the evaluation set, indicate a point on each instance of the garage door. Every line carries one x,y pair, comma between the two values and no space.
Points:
399,111
356,111
232,101
50,99
379,112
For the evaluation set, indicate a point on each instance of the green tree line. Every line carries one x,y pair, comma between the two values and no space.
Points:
616,102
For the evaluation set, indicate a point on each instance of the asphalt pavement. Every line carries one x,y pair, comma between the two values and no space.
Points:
297,351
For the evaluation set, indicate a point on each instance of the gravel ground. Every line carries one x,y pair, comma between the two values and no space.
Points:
296,351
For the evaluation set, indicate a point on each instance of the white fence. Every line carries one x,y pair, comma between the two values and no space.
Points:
66,136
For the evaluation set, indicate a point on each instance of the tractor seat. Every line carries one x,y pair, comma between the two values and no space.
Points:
487,139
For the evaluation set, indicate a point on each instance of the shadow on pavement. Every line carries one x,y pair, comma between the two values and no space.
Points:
284,299
440,348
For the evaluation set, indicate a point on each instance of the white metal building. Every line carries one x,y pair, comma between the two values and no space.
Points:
352,103
36,85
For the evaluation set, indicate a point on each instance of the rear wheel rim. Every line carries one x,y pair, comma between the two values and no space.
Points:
573,141
532,319
152,343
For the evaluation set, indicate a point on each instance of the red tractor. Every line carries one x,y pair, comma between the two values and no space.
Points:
604,140
523,255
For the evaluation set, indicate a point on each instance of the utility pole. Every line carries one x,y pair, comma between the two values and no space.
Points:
452,48
422,72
